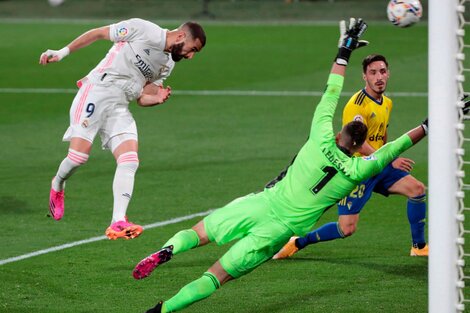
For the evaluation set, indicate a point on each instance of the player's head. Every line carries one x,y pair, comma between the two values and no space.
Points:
352,136
190,39
375,73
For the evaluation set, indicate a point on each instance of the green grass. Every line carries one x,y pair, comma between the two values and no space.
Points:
197,153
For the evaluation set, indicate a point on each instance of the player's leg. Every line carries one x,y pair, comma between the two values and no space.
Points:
78,153
119,134
414,190
248,253
348,211
198,289
182,241
85,117
233,221
125,151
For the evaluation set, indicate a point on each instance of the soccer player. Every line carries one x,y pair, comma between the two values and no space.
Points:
142,57
373,108
323,172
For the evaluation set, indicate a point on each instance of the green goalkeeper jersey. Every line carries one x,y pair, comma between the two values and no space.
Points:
321,173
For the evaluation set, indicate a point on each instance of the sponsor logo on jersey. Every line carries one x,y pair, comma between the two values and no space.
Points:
376,137
121,32
373,115
379,135
370,157
144,68
147,51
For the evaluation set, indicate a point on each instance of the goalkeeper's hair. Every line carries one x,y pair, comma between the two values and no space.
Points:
354,134
372,58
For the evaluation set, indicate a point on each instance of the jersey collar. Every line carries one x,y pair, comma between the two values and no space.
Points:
372,98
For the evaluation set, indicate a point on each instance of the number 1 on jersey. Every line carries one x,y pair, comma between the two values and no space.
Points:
329,171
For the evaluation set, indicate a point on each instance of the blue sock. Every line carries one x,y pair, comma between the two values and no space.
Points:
417,217
326,232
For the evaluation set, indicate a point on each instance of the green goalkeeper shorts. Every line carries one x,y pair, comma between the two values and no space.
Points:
250,219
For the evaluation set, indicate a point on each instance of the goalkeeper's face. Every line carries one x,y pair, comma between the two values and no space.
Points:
376,78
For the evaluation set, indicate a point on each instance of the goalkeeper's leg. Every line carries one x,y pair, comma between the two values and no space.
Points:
180,242
198,289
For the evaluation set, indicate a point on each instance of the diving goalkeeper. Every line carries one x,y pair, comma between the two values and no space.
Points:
323,172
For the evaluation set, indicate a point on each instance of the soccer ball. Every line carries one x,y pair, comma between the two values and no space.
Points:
55,3
404,13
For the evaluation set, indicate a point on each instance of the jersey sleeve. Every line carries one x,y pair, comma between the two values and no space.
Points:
128,30
376,162
322,124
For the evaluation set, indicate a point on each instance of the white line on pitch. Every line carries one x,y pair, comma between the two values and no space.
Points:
262,93
93,239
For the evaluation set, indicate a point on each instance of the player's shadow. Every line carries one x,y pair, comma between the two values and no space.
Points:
405,270
12,205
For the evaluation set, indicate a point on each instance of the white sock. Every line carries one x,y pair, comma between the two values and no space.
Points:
68,166
123,184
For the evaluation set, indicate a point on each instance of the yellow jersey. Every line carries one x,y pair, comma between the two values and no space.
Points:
362,107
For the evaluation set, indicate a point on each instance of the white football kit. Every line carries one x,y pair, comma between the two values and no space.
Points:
101,104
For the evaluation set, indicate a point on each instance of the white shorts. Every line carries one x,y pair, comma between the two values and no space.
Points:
100,109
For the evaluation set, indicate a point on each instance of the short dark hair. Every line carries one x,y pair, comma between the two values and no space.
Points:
196,31
372,58
354,134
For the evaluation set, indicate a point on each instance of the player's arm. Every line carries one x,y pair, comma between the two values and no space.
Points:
87,38
153,94
348,41
366,149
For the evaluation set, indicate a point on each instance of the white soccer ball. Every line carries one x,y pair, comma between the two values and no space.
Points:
404,13
55,3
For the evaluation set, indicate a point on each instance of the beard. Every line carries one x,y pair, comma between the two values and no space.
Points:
176,52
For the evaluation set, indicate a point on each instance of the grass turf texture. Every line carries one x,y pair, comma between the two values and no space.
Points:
197,153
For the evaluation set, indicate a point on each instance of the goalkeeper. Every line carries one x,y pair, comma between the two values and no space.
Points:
323,172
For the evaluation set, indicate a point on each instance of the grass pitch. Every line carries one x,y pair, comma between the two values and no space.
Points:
198,152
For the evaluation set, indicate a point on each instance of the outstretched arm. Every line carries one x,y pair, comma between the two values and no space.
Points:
349,40
51,56
416,134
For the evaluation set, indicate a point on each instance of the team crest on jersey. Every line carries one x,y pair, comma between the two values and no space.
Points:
163,70
121,32
370,157
358,118
85,124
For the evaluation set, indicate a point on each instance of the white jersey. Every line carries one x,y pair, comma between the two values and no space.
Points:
137,57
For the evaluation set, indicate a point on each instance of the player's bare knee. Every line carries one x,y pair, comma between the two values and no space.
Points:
348,224
417,189
201,233
348,230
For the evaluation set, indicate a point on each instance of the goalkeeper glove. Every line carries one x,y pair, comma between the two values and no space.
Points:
464,104
349,39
